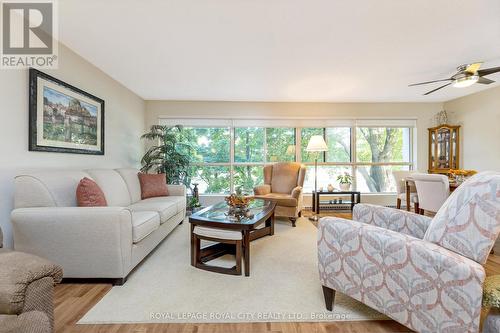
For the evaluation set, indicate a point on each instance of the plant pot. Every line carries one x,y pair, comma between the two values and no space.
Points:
345,186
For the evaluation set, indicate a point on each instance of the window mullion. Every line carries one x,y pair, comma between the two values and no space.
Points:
231,159
353,158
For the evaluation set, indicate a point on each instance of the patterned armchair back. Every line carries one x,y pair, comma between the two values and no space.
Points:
468,223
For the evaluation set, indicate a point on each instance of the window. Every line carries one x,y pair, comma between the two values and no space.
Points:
247,177
249,144
280,144
210,158
211,179
382,150
211,145
338,140
305,136
231,154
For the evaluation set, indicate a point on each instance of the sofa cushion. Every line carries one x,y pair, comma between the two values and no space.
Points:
153,185
281,199
89,194
143,224
468,223
165,206
129,175
113,186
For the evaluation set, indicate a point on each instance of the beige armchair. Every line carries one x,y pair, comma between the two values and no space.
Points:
283,183
26,292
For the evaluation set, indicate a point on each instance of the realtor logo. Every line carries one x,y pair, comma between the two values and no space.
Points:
29,34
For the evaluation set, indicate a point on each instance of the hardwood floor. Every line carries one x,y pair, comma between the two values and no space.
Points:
72,301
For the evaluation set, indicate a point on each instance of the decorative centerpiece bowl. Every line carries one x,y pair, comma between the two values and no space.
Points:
238,205
460,175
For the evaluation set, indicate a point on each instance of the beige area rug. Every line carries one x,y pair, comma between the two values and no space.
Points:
283,286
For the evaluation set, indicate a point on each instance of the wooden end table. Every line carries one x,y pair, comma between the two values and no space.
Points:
316,198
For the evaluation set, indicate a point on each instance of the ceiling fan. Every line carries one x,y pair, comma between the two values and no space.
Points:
466,76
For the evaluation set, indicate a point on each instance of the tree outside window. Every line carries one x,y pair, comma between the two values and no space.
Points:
380,145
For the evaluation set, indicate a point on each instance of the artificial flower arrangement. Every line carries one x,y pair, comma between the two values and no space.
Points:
238,205
462,172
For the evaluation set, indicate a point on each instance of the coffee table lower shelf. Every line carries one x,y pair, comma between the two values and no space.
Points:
240,248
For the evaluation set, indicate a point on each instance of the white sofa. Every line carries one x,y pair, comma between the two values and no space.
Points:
92,242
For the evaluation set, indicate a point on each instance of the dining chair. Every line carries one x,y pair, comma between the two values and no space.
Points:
432,190
400,179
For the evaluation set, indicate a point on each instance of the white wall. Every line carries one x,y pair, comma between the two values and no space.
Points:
422,112
124,117
479,115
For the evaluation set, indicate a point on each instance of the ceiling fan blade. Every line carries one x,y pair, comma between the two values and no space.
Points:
488,71
484,80
473,68
417,84
430,92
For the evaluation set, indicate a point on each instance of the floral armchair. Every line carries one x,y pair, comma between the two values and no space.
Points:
425,273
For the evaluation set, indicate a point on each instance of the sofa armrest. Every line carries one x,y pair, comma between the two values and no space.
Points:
85,241
393,219
176,190
401,276
262,189
18,272
296,192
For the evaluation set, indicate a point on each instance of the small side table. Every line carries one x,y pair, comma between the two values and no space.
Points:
316,198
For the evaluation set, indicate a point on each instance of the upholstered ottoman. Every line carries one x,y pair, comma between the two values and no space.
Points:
225,238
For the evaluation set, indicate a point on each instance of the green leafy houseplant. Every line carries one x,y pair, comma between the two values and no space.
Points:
168,155
346,178
193,203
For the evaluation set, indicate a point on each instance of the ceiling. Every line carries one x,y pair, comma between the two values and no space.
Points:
284,50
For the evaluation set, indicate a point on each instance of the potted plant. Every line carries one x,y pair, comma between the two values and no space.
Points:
193,205
345,181
168,154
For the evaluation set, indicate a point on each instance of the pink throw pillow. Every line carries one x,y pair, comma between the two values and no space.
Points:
153,185
89,194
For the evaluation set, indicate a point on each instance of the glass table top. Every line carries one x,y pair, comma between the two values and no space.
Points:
218,212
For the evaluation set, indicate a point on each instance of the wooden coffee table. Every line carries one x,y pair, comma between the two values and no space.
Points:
215,217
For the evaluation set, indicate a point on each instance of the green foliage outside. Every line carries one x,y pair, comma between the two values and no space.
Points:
378,145
212,145
280,144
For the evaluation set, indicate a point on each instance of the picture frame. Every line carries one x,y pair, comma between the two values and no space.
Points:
63,118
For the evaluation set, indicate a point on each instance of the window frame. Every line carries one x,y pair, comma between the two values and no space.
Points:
353,124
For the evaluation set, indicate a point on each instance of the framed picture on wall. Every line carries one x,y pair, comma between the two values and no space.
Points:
63,118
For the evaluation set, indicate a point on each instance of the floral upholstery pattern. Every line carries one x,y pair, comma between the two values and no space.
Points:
417,283
392,219
469,221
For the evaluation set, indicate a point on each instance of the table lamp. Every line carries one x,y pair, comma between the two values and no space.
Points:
316,144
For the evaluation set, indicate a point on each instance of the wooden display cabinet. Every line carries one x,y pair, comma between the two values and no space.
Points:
444,148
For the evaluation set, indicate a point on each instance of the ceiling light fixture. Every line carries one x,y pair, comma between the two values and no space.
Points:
465,81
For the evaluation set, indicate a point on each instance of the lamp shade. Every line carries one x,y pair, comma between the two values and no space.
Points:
317,143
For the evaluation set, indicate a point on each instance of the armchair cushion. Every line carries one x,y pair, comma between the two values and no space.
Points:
281,199
296,192
421,285
392,219
17,271
468,223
